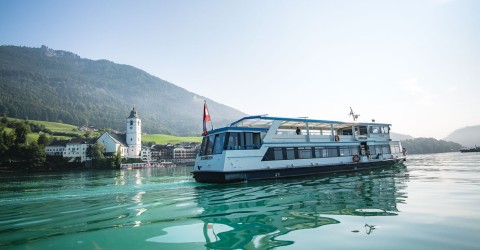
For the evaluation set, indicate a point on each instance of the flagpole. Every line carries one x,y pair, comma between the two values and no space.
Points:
211,123
210,119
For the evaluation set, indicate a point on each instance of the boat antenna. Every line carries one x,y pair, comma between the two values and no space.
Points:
354,116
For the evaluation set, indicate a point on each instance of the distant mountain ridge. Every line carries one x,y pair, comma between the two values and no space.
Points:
53,85
400,137
468,136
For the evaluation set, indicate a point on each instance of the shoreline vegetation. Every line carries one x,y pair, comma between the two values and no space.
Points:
23,142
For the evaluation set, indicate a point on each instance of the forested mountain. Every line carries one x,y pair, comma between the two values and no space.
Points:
429,145
52,85
468,136
400,137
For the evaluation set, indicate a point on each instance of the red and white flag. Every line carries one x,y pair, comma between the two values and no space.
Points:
206,118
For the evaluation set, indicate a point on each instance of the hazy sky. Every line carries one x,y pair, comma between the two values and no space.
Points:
415,64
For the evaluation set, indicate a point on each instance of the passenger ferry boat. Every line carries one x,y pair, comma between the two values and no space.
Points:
470,150
262,147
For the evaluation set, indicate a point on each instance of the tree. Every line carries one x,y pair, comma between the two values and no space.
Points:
5,142
97,150
21,131
4,119
117,159
43,140
35,154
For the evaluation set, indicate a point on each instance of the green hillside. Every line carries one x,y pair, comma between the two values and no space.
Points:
54,126
169,139
59,86
59,131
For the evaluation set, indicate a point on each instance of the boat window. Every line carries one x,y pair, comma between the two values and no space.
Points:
384,130
218,143
278,153
212,144
320,152
379,129
385,149
363,130
209,145
257,140
344,151
243,140
248,140
233,141
346,132
268,155
354,150
290,153
332,151
305,153
371,150
204,144
241,137
395,149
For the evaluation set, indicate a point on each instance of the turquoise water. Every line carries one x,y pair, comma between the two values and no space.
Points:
430,202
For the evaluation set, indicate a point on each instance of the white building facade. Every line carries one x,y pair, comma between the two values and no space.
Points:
55,150
77,149
146,154
134,135
114,143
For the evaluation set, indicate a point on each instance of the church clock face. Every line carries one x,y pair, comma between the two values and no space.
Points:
131,127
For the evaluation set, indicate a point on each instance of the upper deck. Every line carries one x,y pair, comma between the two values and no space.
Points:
313,130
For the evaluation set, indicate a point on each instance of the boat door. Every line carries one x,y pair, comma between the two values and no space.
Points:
364,150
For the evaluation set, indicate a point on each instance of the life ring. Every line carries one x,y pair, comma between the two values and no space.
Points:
356,158
337,138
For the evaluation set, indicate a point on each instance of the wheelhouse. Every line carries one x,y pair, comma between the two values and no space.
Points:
218,141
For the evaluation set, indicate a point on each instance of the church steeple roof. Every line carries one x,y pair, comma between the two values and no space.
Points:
133,113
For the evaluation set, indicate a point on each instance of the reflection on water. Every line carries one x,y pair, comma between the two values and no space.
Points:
255,214
166,209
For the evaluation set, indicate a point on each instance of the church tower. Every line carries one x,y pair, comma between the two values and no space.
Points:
134,134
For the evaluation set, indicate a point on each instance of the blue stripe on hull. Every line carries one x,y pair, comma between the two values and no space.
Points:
224,177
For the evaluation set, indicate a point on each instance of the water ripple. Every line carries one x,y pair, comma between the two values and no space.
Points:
149,207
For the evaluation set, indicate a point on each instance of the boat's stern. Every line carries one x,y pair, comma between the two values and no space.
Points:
209,169
209,163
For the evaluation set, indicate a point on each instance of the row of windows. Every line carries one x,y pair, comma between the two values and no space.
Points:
360,130
379,129
291,153
54,149
215,144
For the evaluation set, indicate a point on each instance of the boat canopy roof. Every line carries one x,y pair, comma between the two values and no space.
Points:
266,122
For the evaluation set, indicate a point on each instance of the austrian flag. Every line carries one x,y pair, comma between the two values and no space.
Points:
206,118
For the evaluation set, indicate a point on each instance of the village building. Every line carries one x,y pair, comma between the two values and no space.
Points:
134,135
114,143
77,149
184,154
154,154
56,148
146,154
86,128
130,143
180,153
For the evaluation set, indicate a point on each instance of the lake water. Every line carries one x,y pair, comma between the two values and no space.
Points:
430,202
